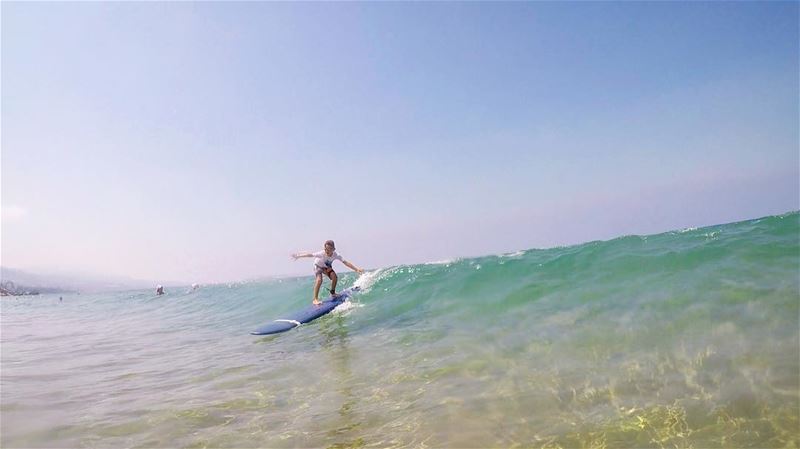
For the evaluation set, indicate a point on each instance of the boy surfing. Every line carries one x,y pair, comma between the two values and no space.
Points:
323,264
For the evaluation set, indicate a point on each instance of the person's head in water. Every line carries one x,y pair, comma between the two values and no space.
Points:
330,247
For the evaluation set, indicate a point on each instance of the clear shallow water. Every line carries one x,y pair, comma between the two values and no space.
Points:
683,339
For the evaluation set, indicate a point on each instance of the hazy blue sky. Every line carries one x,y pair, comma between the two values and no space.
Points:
207,141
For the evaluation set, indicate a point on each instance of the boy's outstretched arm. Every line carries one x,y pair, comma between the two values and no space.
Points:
352,267
296,256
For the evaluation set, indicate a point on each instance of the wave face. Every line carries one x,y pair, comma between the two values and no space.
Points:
682,339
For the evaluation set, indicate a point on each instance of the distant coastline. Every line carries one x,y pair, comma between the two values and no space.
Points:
14,282
9,288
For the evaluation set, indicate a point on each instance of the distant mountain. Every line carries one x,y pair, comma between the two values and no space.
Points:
69,282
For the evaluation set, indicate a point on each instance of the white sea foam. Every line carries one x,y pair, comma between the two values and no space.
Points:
369,278
514,254
346,307
441,262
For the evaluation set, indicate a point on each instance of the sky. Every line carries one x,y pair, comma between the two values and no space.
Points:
205,142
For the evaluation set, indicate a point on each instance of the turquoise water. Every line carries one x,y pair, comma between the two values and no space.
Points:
682,339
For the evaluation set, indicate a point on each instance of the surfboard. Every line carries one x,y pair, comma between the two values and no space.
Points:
306,315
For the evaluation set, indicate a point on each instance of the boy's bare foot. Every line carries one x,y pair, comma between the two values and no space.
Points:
316,302
333,292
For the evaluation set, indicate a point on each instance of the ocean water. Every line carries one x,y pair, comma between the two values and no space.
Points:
682,339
